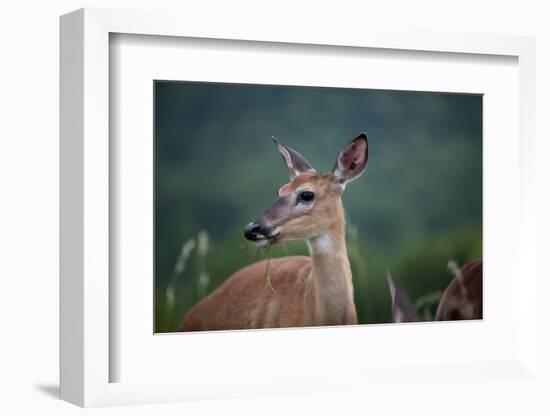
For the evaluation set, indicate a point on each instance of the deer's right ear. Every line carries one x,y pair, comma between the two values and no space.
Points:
294,161
352,160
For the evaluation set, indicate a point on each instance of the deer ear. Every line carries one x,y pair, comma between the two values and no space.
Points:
294,161
402,307
352,160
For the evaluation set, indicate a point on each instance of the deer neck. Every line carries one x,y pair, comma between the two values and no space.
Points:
332,287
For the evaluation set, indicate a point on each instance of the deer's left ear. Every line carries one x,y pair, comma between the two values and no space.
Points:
352,160
294,161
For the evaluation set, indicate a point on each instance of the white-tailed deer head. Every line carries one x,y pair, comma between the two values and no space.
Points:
463,298
310,204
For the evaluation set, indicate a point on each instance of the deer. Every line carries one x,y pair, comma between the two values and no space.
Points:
293,291
462,299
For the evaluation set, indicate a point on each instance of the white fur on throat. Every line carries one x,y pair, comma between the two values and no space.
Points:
320,244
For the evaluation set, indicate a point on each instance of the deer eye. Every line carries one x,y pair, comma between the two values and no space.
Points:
306,196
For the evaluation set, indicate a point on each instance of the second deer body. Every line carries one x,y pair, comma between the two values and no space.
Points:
297,290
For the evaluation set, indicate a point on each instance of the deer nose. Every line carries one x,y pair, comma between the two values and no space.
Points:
252,231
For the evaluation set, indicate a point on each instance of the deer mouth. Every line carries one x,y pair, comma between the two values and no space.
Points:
261,242
265,241
260,236
273,238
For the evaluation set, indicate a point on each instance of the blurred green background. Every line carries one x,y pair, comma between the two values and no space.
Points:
418,205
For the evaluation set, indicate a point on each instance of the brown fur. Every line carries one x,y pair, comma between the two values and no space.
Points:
463,298
238,304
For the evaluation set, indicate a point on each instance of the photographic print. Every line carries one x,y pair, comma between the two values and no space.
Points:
292,206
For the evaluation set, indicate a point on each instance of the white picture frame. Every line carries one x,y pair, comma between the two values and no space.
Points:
86,356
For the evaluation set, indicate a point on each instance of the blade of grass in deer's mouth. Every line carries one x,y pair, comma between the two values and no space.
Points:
267,272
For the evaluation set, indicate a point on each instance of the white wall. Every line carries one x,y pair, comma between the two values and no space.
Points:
29,188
